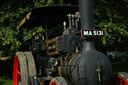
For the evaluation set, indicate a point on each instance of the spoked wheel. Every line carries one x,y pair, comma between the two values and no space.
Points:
123,77
58,81
120,79
20,72
31,66
53,83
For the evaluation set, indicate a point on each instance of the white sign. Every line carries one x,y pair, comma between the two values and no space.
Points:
92,33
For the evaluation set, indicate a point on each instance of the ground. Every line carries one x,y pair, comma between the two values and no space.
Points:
6,82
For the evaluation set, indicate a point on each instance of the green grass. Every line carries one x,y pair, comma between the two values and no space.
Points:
6,82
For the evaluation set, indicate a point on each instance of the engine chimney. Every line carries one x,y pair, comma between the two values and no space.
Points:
86,8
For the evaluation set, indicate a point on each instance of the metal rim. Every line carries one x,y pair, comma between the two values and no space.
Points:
16,71
53,83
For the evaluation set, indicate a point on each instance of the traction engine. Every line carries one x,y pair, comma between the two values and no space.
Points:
69,58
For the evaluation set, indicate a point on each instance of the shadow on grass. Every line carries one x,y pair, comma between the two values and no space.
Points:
2,82
6,70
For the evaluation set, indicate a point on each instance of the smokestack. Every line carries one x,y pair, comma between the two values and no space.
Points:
86,8
86,13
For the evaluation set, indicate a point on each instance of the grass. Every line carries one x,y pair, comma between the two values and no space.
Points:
6,82
6,73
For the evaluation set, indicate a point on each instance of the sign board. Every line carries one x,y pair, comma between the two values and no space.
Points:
92,33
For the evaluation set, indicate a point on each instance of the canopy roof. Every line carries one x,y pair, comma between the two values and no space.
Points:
43,15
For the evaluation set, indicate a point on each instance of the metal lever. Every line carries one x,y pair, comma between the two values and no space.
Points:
99,73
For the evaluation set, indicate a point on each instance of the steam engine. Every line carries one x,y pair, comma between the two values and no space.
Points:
70,59
74,57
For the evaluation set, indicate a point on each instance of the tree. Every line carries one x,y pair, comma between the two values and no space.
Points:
111,15
10,13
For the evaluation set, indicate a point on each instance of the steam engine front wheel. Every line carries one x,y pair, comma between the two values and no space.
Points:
120,79
58,81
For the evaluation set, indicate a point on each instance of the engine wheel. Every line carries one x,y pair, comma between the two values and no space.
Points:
20,72
31,63
58,81
120,79
123,77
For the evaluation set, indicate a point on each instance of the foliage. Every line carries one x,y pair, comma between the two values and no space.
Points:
40,3
36,32
8,34
111,15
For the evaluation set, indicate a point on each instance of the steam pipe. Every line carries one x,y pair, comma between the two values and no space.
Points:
86,8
